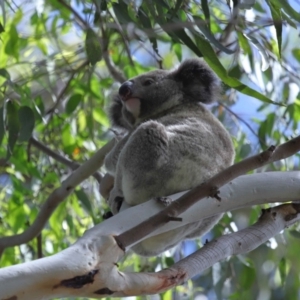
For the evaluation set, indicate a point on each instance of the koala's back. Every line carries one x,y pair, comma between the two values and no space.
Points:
174,153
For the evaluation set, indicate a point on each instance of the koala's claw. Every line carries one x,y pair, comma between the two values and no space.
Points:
107,215
166,201
118,202
115,203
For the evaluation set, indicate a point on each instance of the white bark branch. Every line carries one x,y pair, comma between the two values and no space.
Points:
271,222
244,191
88,268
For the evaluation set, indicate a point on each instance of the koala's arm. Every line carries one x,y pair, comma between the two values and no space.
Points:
112,157
142,163
106,185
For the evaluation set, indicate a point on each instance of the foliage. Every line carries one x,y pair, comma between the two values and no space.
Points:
56,77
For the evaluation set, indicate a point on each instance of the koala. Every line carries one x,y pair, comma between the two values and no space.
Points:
172,143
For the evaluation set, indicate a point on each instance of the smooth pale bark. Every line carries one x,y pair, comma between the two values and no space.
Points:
88,268
244,191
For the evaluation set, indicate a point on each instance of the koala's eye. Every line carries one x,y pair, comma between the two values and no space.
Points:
148,82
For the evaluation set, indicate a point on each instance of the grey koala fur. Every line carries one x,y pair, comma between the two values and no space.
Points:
173,143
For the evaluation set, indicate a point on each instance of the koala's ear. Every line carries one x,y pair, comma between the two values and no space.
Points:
198,81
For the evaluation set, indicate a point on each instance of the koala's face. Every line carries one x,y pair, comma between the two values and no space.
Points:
145,96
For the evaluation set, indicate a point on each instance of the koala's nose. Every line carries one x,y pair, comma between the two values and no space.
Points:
125,89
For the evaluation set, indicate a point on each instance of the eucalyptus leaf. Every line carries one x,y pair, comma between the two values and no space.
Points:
26,117
13,127
287,8
262,51
73,102
277,21
2,129
4,73
204,29
213,61
92,47
85,201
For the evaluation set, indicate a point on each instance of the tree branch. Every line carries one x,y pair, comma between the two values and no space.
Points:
207,189
57,196
270,223
239,193
67,162
115,73
88,268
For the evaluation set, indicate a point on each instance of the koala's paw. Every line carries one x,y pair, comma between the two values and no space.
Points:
106,185
115,202
107,215
166,201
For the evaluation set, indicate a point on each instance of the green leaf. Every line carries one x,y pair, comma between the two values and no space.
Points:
1,28
145,21
100,116
169,261
178,51
277,20
247,277
245,150
181,34
286,18
13,126
296,53
12,47
295,234
282,270
204,29
213,61
287,8
26,117
4,73
176,8
244,43
121,12
92,47
160,4
262,51
1,124
206,12
73,102
103,5
85,201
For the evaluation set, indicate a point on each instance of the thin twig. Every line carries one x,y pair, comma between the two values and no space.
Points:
63,91
118,27
115,73
243,121
69,163
79,20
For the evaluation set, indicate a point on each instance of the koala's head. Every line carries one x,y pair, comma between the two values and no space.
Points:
147,95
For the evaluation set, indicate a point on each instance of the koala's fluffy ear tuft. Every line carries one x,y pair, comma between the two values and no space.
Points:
199,82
